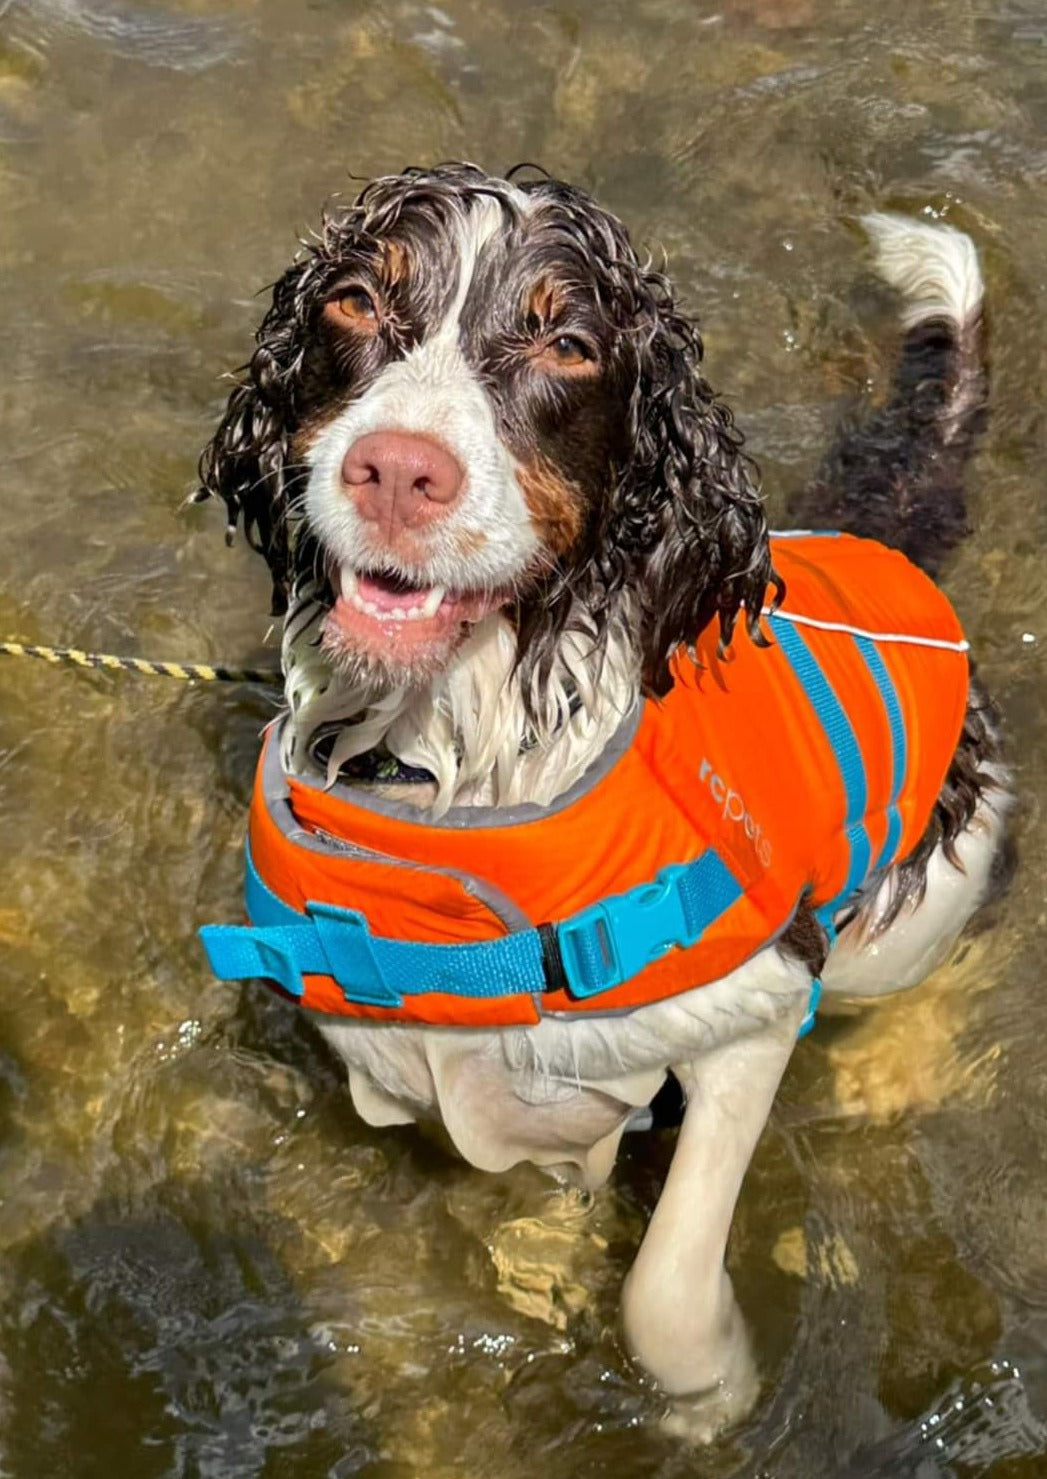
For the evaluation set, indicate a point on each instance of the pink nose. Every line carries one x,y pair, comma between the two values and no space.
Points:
399,480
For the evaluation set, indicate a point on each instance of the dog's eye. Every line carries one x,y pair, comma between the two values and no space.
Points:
357,307
566,353
569,351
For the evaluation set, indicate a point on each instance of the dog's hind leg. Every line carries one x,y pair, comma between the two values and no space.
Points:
896,474
679,1314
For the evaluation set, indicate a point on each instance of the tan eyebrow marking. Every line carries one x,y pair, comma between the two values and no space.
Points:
395,260
545,300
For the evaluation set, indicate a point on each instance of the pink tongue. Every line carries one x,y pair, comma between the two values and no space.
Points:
379,594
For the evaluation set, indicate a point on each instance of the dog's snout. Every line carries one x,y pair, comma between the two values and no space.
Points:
400,480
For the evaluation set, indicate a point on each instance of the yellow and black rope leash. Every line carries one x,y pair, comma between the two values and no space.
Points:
187,672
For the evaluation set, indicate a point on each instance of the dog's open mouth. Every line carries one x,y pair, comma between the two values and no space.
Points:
391,619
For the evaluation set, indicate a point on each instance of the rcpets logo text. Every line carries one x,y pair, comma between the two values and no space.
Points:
733,809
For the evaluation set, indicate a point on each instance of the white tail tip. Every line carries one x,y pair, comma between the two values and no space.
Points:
935,268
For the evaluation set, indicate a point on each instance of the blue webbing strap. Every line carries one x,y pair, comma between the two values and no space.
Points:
812,1009
844,742
602,946
284,945
899,747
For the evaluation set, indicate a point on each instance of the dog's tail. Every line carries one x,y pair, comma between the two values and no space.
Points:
897,474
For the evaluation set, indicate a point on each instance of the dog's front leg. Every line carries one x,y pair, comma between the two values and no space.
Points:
680,1318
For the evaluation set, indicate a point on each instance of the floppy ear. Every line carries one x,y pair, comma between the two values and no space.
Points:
247,462
690,505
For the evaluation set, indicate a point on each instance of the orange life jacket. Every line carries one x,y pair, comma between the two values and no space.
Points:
767,774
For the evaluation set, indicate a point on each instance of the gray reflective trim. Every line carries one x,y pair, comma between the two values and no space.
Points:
460,818
277,800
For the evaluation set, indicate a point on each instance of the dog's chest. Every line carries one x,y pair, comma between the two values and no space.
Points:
495,1114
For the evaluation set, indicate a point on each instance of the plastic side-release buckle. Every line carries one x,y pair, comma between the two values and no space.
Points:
612,941
347,943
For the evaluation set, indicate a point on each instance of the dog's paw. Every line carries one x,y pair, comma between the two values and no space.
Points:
704,1416
708,1379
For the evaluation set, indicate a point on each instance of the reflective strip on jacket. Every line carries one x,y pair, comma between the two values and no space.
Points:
768,774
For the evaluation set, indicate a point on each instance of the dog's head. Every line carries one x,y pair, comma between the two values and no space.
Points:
469,395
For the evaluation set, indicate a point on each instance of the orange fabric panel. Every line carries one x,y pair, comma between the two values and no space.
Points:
549,868
406,904
931,683
933,727
856,689
434,908
762,739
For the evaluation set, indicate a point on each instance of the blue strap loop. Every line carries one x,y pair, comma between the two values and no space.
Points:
601,947
845,747
812,1009
899,746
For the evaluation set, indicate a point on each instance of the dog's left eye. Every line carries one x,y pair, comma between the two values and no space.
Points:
566,352
356,305
569,351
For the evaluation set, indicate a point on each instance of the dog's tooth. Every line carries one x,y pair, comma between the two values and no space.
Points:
427,606
431,605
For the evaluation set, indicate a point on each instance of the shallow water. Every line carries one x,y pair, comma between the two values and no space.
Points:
210,1268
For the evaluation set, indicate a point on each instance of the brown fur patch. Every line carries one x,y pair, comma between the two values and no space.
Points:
396,260
544,301
470,542
805,940
555,505
303,439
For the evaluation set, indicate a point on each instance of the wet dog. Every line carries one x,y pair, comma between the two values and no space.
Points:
501,506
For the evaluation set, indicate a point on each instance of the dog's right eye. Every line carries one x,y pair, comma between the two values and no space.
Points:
354,306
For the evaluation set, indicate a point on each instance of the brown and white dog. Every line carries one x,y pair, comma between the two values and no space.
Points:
496,494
